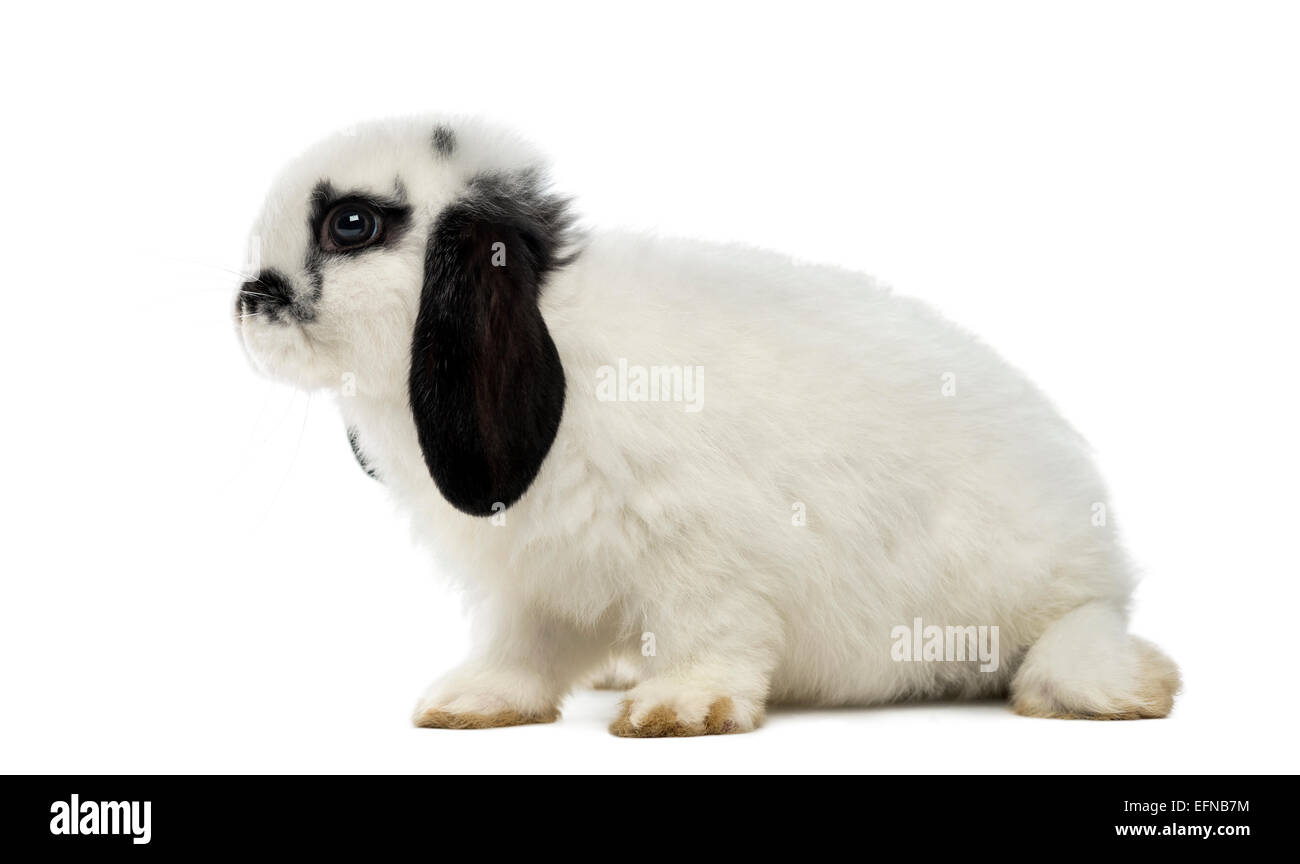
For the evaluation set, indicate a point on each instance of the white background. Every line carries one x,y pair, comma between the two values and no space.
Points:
197,577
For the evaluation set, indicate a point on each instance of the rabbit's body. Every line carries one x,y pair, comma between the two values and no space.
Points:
838,463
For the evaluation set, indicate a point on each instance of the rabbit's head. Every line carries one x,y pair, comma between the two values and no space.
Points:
404,261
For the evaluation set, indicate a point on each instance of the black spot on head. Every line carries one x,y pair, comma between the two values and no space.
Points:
444,141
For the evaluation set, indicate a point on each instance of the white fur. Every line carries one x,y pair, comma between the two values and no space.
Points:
822,391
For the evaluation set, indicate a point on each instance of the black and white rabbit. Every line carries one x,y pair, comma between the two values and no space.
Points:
858,497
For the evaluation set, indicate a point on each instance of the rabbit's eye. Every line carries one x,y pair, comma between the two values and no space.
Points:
350,226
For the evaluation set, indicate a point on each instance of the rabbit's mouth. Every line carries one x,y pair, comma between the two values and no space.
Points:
277,343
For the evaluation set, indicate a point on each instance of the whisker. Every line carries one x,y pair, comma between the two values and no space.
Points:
245,276
293,461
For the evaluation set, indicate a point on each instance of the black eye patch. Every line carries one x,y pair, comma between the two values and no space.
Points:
349,223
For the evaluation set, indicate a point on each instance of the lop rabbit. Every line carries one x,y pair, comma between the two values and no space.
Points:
742,479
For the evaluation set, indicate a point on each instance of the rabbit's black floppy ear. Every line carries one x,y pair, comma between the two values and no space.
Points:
486,384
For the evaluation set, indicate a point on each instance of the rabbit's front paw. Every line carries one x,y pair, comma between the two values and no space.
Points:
483,706
661,709
437,718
